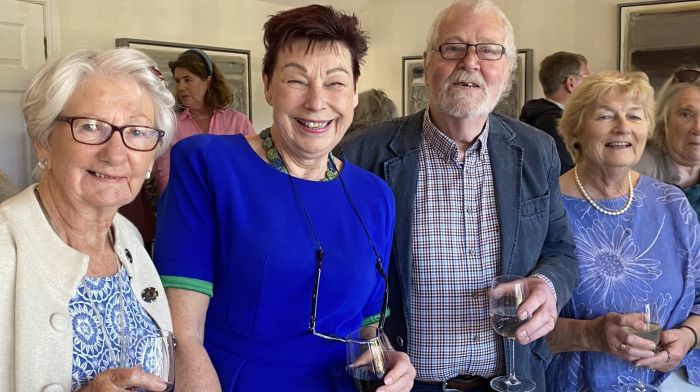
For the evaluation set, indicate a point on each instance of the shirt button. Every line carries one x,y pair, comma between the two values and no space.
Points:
476,294
59,322
52,388
475,337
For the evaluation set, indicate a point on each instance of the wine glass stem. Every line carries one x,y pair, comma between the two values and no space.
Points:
512,380
642,381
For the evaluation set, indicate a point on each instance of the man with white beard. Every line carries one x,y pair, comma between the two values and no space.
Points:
477,196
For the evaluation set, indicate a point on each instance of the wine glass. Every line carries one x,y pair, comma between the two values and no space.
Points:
506,295
650,331
156,355
368,358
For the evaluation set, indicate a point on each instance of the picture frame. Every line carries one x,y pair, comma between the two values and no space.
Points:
234,64
657,37
413,89
521,89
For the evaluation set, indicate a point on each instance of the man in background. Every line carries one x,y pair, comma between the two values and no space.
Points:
560,74
477,196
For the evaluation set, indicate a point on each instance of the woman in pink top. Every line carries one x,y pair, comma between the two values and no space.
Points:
202,99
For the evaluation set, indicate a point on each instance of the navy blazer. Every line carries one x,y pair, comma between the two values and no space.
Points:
535,232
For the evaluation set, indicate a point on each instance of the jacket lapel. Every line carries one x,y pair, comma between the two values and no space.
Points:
506,166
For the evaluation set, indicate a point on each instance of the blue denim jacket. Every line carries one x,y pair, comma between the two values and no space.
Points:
535,232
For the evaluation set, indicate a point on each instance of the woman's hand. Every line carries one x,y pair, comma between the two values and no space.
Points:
675,344
614,340
401,375
124,379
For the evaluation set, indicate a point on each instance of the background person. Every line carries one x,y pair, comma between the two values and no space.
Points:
623,260
73,273
7,188
373,107
203,98
560,74
672,155
246,226
477,195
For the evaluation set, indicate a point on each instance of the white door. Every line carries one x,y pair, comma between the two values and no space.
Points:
21,54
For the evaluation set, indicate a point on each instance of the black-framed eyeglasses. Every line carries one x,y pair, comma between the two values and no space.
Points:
314,297
92,131
686,76
458,51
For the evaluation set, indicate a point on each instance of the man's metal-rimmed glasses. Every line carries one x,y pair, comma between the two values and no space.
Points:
458,51
87,130
314,298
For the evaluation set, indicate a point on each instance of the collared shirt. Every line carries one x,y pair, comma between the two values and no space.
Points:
559,104
223,122
456,253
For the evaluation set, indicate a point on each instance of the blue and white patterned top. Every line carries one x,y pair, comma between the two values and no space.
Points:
91,351
651,253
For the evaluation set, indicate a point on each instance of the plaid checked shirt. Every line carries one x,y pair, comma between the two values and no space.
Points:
456,254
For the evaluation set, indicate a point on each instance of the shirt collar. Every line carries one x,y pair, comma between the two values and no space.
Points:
560,105
446,147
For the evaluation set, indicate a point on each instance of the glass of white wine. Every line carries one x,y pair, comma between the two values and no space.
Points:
506,295
156,355
651,331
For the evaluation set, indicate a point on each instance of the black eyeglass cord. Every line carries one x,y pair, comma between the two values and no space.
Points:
319,248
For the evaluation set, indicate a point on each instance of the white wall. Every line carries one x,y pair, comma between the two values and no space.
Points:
397,28
225,23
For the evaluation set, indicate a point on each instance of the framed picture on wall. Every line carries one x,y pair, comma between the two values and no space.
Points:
521,90
414,92
233,63
657,37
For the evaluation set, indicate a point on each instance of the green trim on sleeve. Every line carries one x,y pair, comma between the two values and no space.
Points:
179,282
374,319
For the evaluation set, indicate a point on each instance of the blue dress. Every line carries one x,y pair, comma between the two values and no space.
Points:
96,309
230,220
651,253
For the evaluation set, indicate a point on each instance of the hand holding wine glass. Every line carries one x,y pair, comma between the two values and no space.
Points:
368,358
649,328
156,355
507,293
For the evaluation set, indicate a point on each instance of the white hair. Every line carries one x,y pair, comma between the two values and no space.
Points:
55,83
478,7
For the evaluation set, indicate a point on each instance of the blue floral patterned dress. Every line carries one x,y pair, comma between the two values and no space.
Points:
93,352
651,253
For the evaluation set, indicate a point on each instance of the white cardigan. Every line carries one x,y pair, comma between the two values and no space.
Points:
39,274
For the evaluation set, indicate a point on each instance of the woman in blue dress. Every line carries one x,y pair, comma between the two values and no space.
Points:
247,224
637,241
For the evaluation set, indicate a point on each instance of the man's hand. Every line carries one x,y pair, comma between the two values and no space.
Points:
541,309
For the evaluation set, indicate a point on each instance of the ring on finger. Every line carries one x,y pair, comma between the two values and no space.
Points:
623,347
668,355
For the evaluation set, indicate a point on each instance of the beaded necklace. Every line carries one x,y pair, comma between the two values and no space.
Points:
600,208
273,156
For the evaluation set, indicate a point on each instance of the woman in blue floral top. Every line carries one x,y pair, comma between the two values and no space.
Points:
638,241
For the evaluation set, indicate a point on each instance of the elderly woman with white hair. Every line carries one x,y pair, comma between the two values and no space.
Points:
673,154
77,288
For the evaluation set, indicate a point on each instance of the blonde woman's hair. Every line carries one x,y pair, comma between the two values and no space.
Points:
586,97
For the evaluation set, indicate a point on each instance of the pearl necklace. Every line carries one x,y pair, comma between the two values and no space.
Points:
600,208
